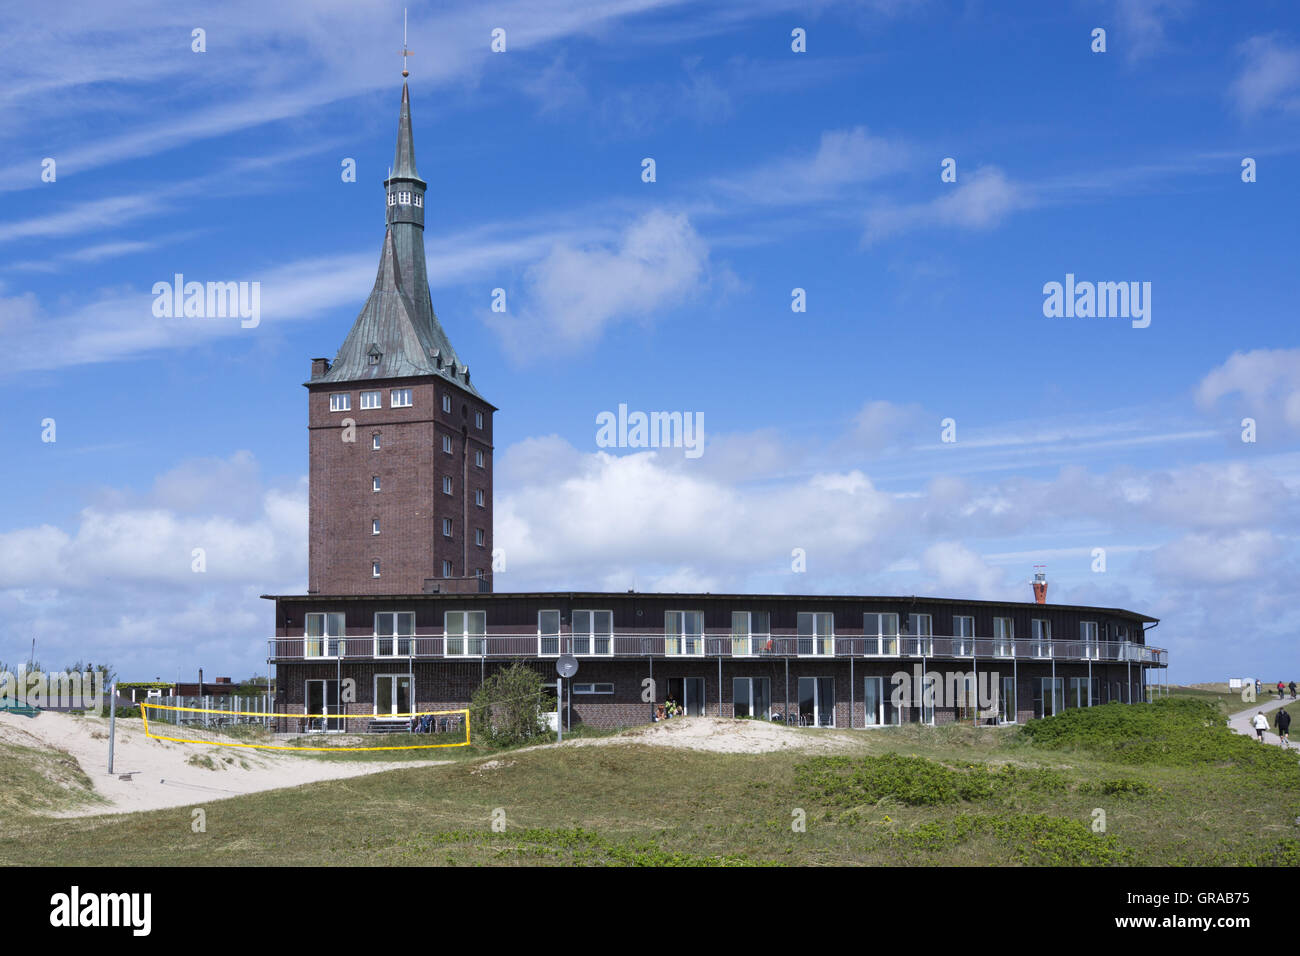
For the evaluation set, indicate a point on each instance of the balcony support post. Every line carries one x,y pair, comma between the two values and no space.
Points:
851,687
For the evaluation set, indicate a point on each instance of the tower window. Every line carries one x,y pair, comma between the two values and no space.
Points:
401,398
374,569
446,444
419,200
478,420
372,399
404,198
374,526
446,484
478,497
374,483
392,199
446,527
340,402
446,402
374,441
478,457
478,537
446,569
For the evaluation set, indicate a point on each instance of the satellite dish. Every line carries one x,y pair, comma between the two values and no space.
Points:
566,666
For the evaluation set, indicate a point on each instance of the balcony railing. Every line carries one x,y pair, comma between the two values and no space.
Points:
475,646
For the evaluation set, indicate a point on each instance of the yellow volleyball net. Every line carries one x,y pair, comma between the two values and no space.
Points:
331,730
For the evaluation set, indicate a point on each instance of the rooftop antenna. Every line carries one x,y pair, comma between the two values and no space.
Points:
405,51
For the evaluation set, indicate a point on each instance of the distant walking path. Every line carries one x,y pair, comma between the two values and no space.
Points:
1241,722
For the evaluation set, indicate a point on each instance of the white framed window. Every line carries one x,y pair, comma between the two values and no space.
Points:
393,695
817,701
816,633
323,634
374,569
920,629
372,399
446,484
374,526
392,199
446,444
478,572
963,635
548,633
446,402
446,527
479,537
880,633
374,483
1049,696
478,497
478,457
1040,630
418,199
751,697
374,441
478,420
751,633
605,688
394,633
446,569
400,398
341,402
1088,635
881,710
683,633
1004,637
404,198
593,632
464,633
373,358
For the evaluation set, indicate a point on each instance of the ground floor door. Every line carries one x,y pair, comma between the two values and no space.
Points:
1049,696
322,705
817,701
392,695
1007,701
879,703
751,697
689,694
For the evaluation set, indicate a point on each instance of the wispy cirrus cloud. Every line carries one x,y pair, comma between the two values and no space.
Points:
1269,78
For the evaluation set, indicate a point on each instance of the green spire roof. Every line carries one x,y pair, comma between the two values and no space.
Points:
397,334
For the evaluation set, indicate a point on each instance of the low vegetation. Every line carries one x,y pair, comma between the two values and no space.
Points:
1152,784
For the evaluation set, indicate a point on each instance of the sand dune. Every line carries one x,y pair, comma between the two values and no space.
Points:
153,774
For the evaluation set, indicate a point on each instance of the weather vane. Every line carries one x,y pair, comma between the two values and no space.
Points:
405,51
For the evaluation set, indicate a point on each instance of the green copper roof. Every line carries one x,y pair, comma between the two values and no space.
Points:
397,334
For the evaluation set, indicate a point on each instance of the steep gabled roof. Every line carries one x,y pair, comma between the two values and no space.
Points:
397,319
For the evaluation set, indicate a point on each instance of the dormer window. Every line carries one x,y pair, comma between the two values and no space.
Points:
373,358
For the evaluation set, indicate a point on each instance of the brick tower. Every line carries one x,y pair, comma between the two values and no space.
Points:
400,440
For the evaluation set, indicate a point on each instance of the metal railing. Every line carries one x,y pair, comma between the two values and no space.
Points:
476,646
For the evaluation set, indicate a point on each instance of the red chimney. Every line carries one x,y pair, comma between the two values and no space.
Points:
1040,584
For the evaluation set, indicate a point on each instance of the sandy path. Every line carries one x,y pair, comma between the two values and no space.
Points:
1241,721
725,735
158,773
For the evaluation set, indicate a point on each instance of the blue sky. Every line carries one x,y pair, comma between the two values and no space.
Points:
775,170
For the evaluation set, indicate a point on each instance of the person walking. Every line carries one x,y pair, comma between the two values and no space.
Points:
1284,726
1261,725
1292,685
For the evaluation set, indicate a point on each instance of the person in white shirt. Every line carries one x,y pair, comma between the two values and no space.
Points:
1261,725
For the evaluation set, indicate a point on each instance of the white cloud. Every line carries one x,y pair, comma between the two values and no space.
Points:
1217,559
1269,77
1267,380
978,201
573,293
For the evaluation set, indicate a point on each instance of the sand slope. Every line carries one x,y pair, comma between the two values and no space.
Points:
159,771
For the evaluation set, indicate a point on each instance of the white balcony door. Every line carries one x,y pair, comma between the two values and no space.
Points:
392,695
880,632
683,633
1041,633
394,633
1004,637
963,633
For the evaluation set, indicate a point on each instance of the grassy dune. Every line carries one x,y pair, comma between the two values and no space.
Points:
1175,786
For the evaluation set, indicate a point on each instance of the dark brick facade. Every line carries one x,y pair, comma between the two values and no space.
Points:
411,504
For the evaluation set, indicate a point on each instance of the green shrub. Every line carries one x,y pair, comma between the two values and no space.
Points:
916,781
507,708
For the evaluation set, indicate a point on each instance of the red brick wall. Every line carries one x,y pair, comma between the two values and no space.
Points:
411,504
